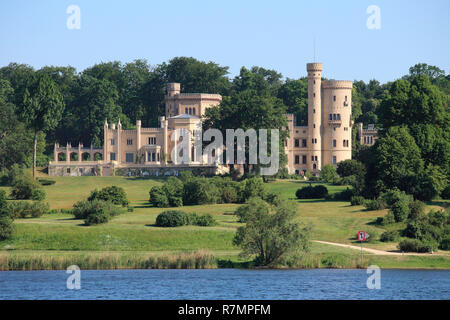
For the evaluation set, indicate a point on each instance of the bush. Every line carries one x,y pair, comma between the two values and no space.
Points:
416,209
84,208
310,192
344,195
201,191
23,188
172,218
38,195
445,194
400,210
158,197
7,228
445,243
389,236
46,182
113,194
3,204
98,216
415,245
376,204
394,195
205,220
229,194
130,209
357,200
24,209
328,173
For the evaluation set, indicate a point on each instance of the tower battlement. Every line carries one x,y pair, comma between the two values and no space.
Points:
314,66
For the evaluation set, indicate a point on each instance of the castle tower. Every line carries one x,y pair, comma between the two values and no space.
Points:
337,121
314,141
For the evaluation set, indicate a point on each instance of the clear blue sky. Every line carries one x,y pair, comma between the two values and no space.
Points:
272,34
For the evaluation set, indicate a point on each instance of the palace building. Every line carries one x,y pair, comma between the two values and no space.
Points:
146,151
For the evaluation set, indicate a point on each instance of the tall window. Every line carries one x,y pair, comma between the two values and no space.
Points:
129,142
112,156
334,143
112,142
296,143
152,140
303,143
297,159
334,160
304,159
334,98
129,157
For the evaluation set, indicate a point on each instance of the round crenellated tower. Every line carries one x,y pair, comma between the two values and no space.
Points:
314,117
337,121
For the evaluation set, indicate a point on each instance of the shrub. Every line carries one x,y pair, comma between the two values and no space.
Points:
46,182
376,204
3,204
23,188
344,195
252,187
400,210
328,173
84,208
416,209
24,209
172,218
200,191
98,216
310,192
229,194
113,194
205,220
445,243
357,200
158,197
390,197
415,245
7,228
388,219
130,209
445,194
389,236
37,194
173,188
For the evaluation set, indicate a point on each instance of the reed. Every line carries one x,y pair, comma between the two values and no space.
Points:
105,261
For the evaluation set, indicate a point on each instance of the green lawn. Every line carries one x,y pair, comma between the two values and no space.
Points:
134,232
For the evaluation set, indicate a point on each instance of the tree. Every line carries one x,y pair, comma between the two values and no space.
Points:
413,102
271,233
42,109
294,94
396,160
328,173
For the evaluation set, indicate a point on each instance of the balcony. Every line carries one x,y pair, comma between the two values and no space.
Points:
334,122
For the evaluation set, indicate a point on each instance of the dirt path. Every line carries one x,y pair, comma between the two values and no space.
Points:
374,251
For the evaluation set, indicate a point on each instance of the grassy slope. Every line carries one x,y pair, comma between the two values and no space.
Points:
134,232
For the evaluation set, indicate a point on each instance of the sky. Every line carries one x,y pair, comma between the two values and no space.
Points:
277,35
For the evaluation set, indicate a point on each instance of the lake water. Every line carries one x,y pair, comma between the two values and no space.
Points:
226,284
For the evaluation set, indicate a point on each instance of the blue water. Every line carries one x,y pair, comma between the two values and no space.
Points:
226,284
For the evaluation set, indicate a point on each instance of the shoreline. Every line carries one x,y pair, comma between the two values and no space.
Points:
39,261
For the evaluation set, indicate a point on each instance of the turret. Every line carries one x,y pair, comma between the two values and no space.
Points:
173,88
314,116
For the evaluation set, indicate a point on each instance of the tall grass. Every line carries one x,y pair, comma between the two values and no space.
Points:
185,260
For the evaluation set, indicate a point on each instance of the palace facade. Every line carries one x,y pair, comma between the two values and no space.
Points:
146,151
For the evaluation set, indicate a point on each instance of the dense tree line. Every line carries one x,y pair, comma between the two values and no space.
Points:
79,102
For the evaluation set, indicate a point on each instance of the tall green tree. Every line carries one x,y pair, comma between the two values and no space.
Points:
42,109
397,160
